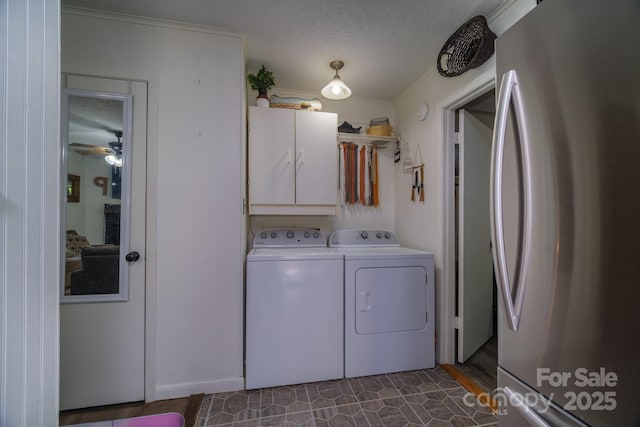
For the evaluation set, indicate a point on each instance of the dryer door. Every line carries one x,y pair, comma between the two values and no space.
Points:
390,299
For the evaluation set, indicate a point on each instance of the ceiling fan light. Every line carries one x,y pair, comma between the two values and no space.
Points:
114,160
336,89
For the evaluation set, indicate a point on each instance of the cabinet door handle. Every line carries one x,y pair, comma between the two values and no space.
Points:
301,156
289,155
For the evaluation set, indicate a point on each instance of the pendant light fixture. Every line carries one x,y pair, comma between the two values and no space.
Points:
336,89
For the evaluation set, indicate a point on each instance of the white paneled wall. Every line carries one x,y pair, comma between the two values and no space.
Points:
195,177
30,203
199,207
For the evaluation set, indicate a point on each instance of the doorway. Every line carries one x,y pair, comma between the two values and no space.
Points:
102,313
475,290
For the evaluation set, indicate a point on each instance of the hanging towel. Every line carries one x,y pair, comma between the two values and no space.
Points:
358,168
353,173
361,181
341,172
376,201
370,177
347,168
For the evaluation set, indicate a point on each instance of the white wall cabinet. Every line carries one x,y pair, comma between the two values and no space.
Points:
293,162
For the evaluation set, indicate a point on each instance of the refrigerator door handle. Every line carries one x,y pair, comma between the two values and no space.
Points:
528,413
509,95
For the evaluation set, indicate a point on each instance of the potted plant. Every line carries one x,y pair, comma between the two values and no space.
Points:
262,81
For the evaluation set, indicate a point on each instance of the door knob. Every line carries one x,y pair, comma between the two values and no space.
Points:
132,256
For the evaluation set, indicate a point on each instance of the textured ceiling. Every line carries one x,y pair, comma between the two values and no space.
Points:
94,120
385,44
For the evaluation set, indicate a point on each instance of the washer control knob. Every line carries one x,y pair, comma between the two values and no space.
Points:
387,235
379,235
274,234
263,235
316,234
364,234
307,234
290,234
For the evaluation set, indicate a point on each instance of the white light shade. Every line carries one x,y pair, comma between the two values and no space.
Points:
114,160
336,89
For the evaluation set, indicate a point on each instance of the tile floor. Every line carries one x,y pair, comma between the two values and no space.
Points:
427,397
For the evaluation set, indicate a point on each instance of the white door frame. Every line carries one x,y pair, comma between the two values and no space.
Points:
446,110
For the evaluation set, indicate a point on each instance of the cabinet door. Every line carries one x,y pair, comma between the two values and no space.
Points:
316,158
271,156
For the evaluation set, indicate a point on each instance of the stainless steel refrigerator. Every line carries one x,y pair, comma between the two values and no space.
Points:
565,196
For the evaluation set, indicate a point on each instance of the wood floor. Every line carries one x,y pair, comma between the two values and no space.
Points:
482,367
189,407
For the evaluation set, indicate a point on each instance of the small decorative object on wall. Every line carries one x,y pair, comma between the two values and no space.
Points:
73,188
102,182
469,47
423,111
417,176
313,104
262,81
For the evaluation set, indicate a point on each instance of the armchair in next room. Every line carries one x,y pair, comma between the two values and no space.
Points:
99,273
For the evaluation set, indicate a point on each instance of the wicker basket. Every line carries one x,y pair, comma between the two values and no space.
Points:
469,47
379,130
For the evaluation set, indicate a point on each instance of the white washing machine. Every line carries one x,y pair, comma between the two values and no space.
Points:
389,303
294,309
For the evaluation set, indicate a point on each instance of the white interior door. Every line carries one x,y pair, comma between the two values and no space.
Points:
102,333
475,265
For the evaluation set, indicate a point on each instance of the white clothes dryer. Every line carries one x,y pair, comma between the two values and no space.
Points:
294,309
389,303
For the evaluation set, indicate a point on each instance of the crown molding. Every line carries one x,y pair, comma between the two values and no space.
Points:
154,22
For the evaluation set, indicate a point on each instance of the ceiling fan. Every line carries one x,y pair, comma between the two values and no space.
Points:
88,149
112,153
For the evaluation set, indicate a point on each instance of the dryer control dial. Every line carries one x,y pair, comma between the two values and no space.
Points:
364,234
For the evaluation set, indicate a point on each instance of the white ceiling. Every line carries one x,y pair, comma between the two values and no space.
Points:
386,44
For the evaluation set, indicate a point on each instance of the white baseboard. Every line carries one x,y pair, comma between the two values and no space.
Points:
175,391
